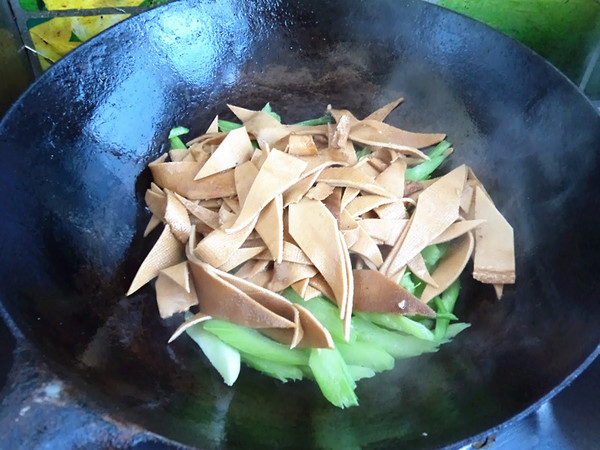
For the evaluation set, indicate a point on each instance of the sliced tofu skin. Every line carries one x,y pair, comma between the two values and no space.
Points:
302,145
239,308
176,216
437,209
244,176
178,177
279,172
270,227
287,273
180,274
195,319
450,266
314,229
384,134
375,292
353,178
167,252
205,215
235,149
457,229
392,178
172,298
218,246
494,256
240,256
381,114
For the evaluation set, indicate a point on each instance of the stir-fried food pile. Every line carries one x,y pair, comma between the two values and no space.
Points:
317,250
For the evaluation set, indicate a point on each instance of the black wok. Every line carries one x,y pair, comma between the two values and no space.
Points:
74,152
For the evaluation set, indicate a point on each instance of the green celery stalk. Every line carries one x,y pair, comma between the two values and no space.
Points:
392,342
333,376
325,312
407,282
362,152
360,372
223,357
282,372
448,316
268,110
422,171
178,131
445,304
323,120
226,126
456,328
400,323
432,254
365,355
176,142
250,341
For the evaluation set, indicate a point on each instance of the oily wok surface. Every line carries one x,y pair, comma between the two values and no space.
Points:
74,154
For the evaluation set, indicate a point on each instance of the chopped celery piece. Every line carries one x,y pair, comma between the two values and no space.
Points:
423,170
360,372
326,312
448,316
407,282
323,120
293,296
248,340
177,143
226,126
445,304
282,372
333,376
456,328
432,254
268,110
178,131
392,342
449,296
400,323
365,355
223,357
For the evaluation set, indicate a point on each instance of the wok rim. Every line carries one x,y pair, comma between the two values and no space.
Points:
22,339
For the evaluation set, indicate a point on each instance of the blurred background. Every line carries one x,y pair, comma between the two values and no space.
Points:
34,34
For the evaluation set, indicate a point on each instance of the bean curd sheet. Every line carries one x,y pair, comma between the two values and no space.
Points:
322,250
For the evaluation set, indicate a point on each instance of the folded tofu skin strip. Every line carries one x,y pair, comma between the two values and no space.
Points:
322,249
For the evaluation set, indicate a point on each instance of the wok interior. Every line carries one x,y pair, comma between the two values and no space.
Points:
74,176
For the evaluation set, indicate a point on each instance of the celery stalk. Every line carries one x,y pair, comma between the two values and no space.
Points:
423,170
392,342
455,328
325,312
400,323
282,372
268,110
176,142
323,120
178,131
365,355
432,254
250,341
223,357
226,126
445,304
333,376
